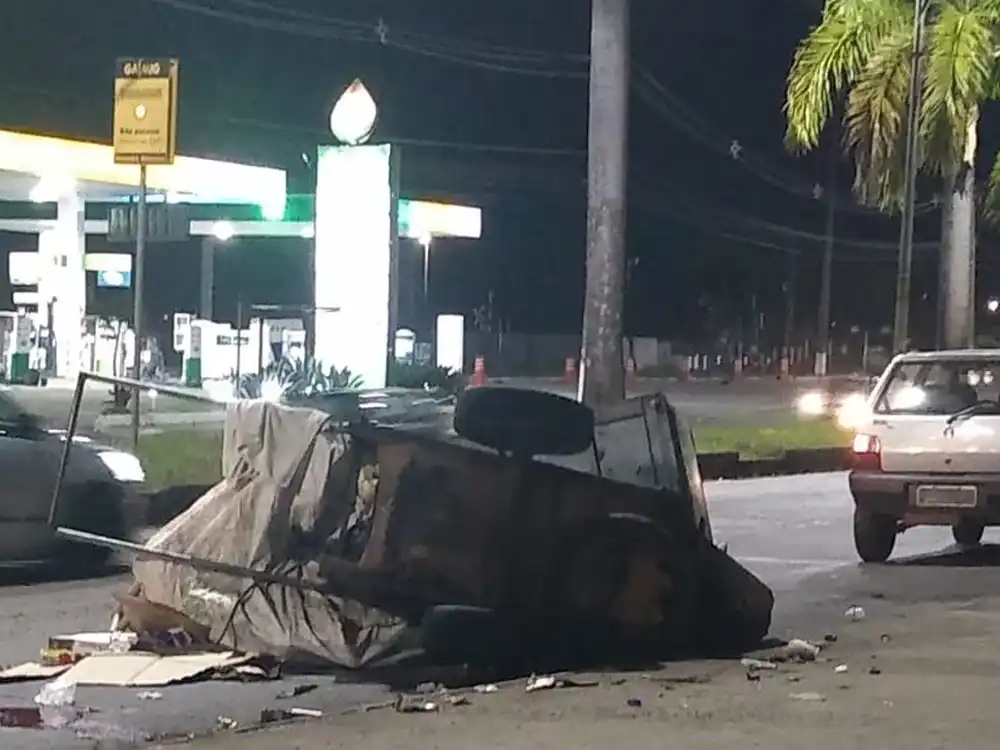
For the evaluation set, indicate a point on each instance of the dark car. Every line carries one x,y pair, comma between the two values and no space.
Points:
100,491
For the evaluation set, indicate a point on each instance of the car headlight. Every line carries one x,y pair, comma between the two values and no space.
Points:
123,466
811,404
852,411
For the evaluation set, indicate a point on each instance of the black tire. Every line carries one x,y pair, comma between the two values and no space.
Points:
874,535
95,508
968,533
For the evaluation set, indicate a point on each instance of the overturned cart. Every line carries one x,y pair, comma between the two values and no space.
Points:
529,528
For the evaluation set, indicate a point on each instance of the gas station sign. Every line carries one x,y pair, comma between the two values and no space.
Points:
145,111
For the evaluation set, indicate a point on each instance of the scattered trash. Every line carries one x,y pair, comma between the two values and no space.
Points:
297,691
758,664
809,697
404,705
840,669
149,695
753,676
459,700
794,678
545,682
56,701
490,688
830,637
224,722
426,688
855,613
273,715
885,638
875,670
633,703
800,650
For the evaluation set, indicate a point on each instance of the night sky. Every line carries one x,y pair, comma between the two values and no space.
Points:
712,233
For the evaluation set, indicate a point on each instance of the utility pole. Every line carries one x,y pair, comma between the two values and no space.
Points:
901,322
139,334
793,262
602,375
826,274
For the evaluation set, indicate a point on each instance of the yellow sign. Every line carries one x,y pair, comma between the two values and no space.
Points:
145,114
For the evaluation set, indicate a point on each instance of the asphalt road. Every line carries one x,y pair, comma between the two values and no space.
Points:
794,532
763,401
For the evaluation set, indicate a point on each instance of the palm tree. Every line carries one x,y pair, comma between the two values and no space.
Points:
861,53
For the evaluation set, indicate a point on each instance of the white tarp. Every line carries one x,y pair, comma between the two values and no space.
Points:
290,485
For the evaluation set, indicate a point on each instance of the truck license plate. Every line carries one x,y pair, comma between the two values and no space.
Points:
947,496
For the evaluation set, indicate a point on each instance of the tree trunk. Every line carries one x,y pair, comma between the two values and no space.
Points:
959,266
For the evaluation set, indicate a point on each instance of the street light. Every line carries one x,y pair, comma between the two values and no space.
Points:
222,231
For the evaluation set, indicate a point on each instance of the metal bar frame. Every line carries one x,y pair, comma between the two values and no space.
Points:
141,551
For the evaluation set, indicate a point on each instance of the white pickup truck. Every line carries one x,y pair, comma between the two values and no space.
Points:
928,450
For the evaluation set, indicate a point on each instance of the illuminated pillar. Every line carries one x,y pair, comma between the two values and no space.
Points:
62,282
354,220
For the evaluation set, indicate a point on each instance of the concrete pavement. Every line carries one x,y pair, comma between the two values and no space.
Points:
795,532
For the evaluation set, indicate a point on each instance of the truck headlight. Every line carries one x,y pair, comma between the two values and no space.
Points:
123,466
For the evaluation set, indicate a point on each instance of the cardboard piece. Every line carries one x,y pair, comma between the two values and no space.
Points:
31,671
143,669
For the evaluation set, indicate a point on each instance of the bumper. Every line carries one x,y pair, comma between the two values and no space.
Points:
895,495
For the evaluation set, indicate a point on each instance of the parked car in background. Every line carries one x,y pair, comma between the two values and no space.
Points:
928,453
101,491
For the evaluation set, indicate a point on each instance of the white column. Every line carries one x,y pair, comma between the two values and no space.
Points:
62,282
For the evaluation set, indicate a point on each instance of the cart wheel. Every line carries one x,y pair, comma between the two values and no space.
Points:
874,535
968,533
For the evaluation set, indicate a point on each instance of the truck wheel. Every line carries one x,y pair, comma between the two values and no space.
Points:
874,535
968,533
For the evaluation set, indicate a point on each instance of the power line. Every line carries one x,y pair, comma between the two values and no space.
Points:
521,61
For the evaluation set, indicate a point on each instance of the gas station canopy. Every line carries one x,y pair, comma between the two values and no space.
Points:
41,169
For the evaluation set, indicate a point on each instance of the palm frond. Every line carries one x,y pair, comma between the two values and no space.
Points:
875,118
830,58
959,76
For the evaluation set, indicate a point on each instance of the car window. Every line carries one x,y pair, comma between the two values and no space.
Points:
939,386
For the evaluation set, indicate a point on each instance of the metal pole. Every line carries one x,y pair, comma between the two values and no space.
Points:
205,311
602,368
140,265
826,274
901,323
793,263
239,341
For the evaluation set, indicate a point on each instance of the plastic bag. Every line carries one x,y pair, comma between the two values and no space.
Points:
56,701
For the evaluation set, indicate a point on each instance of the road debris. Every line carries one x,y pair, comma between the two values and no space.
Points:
410,705
634,703
149,695
548,682
225,722
756,665
56,703
274,715
855,613
800,650
485,689
840,669
808,697
874,671
297,690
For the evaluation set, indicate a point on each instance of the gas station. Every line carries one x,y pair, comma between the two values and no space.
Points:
357,218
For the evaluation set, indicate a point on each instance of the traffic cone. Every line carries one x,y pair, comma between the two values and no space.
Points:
569,371
478,372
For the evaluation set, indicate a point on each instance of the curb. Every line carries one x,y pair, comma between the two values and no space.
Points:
162,419
807,461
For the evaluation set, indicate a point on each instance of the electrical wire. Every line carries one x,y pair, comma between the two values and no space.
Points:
524,61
